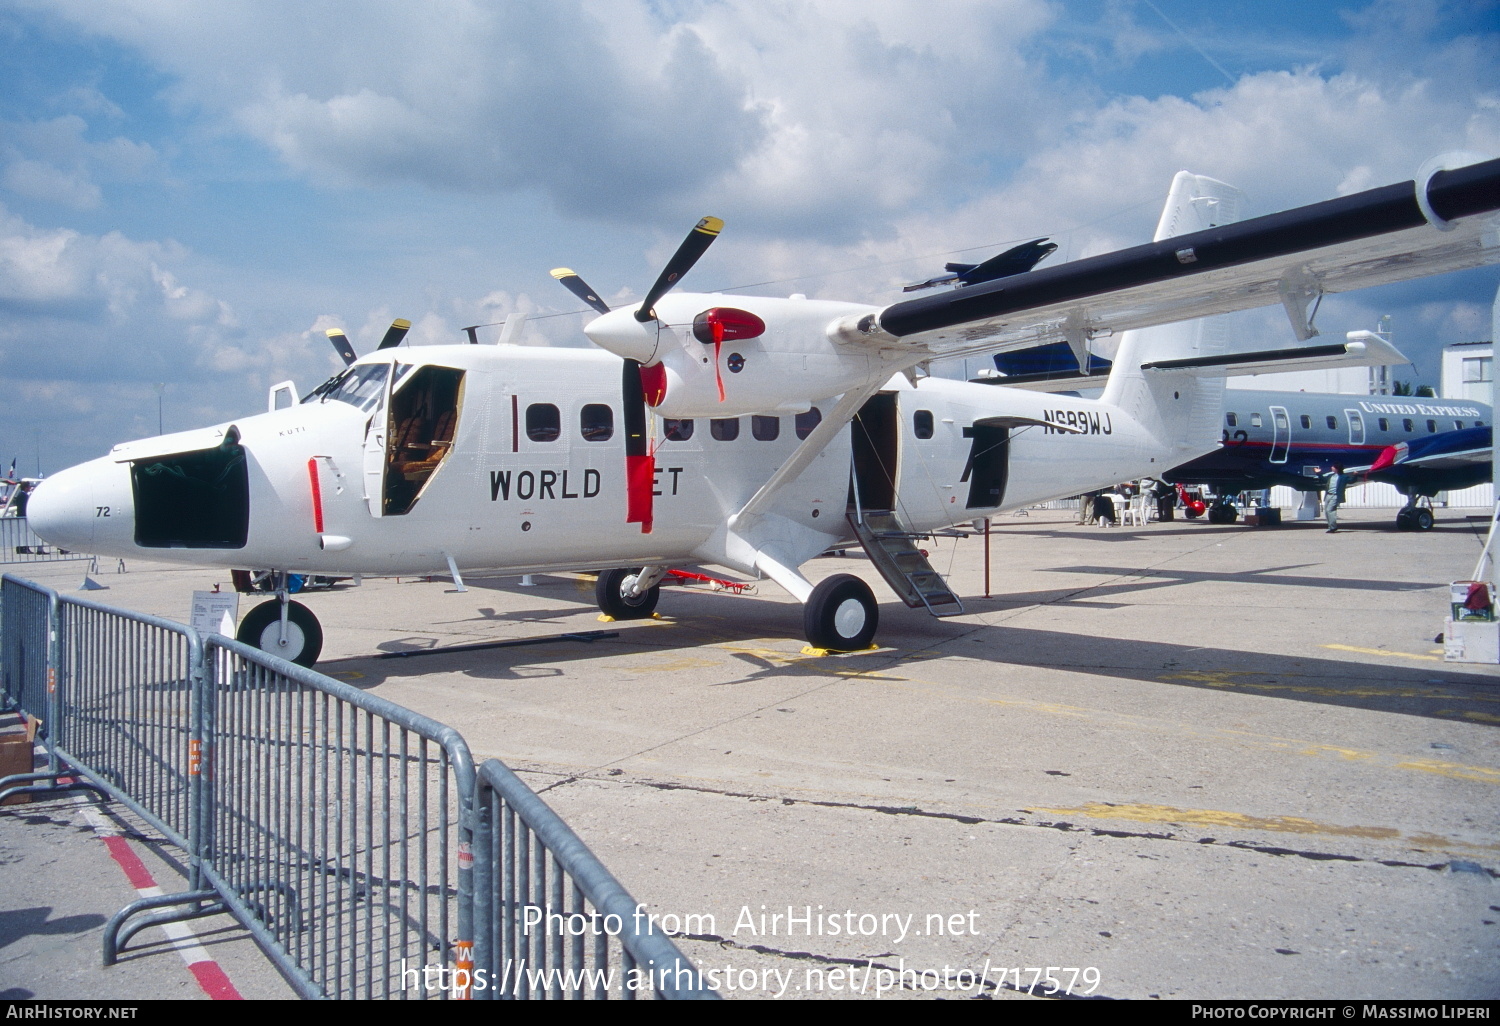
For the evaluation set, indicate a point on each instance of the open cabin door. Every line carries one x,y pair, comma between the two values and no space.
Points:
874,434
1281,434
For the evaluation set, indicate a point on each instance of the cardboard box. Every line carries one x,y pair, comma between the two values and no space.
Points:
1471,641
1458,595
18,755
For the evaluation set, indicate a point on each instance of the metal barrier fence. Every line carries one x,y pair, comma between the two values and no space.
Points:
557,909
19,544
339,826
343,831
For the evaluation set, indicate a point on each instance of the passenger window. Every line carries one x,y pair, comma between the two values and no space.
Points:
1255,420
1385,425
1333,423
1479,423
1406,424
1432,427
921,423
596,422
805,422
543,422
1458,424
677,430
725,430
1306,421
765,429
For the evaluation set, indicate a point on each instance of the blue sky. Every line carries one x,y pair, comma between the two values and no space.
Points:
191,193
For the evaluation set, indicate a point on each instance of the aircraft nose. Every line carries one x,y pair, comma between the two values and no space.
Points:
63,508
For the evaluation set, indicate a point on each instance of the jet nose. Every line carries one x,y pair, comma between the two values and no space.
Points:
64,508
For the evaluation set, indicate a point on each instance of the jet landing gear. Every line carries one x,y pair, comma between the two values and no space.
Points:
1413,517
283,628
1223,512
629,594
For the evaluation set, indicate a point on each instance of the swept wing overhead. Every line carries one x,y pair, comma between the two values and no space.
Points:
1445,223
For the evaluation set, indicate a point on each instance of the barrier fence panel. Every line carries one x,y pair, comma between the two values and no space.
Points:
19,544
337,828
128,698
558,925
26,616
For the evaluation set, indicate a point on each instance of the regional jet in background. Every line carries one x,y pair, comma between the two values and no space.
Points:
1421,446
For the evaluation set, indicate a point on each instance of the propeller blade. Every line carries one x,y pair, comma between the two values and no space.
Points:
341,343
579,288
640,461
693,247
395,333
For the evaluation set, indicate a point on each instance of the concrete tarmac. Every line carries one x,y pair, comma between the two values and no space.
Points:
1175,761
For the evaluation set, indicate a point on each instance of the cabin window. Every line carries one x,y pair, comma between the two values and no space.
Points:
1229,419
1458,424
1255,420
596,422
677,430
1333,423
765,429
1385,425
1479,423
1306,421
1432,427
726,429
543,422
1406,424
805,422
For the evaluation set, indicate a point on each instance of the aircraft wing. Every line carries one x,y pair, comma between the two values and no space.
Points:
1448,450
1449,222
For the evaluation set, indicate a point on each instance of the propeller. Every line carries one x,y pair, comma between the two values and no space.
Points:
393,336
640,383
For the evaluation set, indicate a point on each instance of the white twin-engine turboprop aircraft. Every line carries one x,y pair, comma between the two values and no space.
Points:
751,433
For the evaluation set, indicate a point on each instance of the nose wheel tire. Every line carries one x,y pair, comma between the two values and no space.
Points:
841,614
610,594
261,628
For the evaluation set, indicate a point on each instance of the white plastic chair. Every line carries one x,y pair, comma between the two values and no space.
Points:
1135,511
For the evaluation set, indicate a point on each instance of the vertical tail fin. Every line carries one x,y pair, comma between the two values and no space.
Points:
1181,410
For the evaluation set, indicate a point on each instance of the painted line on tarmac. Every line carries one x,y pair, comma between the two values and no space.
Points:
1383,652
210,975
1142,813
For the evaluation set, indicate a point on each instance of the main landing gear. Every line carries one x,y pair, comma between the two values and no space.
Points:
1414,518
840,614
283,628
1223,512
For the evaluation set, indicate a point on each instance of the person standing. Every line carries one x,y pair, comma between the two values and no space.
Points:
1334,495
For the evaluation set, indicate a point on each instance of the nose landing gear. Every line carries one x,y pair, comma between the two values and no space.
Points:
283,628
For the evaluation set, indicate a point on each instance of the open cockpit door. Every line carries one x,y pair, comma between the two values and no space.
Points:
874,434
416,428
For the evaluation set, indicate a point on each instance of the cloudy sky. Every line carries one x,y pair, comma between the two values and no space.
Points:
191,193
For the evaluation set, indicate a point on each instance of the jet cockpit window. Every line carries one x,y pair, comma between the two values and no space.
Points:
543,422
596,422
360,386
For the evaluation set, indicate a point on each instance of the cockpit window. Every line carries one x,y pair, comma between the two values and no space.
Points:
359,386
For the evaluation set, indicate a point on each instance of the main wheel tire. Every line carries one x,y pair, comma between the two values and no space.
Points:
261,628
1422,518
1222,514
841,614
610,594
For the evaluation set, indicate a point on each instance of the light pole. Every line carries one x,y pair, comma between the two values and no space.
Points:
160,387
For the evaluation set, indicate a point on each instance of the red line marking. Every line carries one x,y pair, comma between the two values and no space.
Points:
214,982
135,870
